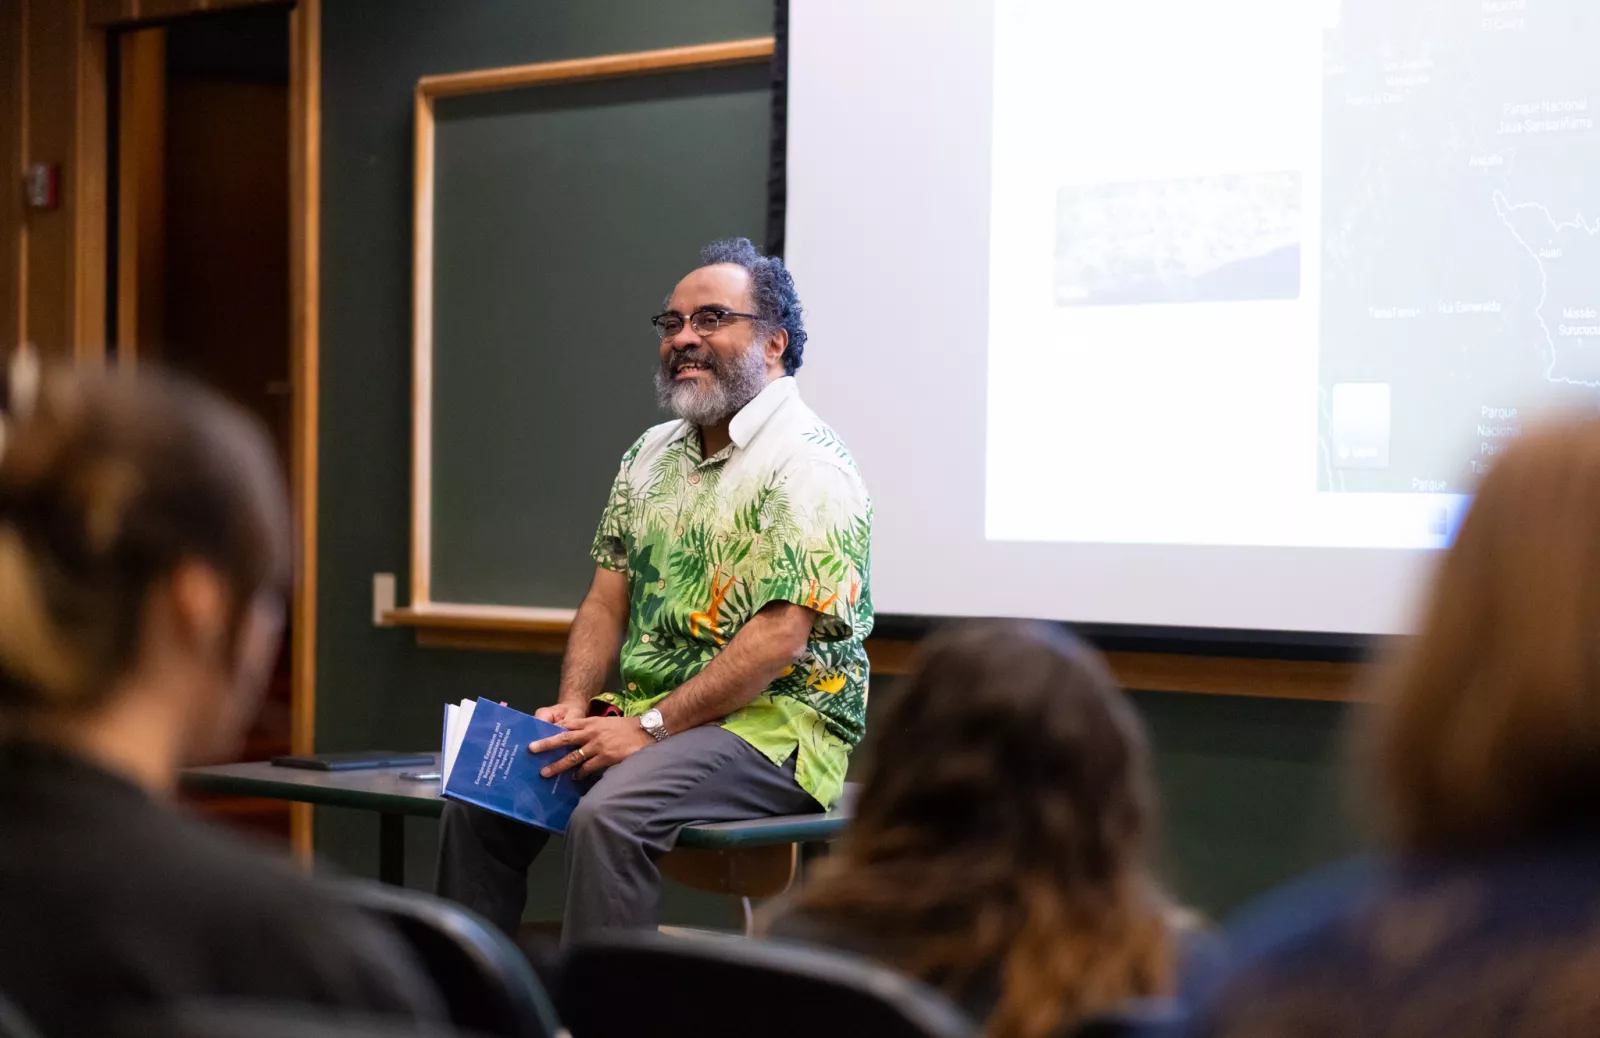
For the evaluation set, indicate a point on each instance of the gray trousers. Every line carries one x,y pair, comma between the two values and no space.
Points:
630,817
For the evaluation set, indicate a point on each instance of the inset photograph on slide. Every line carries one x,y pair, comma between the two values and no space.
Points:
1213,239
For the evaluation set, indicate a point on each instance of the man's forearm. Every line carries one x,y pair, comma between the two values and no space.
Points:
592,645
771,641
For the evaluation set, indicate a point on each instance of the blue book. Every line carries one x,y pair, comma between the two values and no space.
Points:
486,763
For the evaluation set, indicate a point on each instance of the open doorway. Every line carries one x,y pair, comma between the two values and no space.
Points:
200,248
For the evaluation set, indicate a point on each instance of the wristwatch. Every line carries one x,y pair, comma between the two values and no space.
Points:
651,722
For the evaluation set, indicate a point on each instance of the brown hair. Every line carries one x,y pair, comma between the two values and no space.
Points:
108,481
1488,729
1004,823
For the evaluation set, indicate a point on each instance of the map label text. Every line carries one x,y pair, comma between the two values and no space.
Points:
1490,306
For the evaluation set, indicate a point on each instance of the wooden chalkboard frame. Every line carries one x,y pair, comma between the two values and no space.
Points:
525,629
455,623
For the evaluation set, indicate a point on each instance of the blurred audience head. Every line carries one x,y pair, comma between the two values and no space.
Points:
1004,820
1488,732
144,552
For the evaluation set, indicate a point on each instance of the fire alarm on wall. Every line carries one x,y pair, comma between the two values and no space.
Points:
43,185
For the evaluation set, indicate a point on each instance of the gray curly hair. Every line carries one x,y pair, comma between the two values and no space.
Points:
777,304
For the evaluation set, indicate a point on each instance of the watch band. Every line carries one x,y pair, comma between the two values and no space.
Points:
658,730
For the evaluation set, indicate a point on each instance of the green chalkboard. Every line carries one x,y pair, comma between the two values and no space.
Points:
563,216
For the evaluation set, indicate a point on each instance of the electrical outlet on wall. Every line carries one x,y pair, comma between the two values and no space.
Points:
382,599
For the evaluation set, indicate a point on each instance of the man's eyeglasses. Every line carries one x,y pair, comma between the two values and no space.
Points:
704,321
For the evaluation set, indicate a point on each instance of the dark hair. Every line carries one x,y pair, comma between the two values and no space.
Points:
1487,732
1004,822
776,301
108,482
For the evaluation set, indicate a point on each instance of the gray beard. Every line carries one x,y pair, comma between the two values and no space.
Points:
732,387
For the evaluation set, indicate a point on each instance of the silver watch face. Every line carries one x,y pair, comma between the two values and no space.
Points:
651,719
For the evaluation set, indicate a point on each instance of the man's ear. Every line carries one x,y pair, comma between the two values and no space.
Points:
199,603
777,342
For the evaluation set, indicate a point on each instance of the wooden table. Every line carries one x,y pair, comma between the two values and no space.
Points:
395,798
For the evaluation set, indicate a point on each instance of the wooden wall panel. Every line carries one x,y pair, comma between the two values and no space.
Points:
87,172
305,207
141,172
52,291
53,91
12,128
103,13
50,117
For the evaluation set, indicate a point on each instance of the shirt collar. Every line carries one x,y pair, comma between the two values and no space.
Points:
752,416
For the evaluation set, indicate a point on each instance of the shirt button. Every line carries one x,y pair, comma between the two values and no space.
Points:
645,638
632,687
694,477
662,585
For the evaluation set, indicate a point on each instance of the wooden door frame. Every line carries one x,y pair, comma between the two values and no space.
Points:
305,273
99,19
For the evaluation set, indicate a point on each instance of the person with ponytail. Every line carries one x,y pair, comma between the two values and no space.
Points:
144,556
1000,847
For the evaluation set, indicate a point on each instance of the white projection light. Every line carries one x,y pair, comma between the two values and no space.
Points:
1199,315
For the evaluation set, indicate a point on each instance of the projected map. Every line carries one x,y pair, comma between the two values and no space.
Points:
1461,234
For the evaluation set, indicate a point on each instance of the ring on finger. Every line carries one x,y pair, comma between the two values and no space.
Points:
581,755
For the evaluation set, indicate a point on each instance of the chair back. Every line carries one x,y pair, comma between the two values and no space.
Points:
212,1018
12,1023
487,984
222,1018
715,986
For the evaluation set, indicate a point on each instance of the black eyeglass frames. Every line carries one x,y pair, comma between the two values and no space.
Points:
704,321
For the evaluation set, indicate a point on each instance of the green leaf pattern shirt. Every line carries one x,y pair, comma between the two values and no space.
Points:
781,514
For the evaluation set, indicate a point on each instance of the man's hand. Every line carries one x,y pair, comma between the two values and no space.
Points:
597,742
561,714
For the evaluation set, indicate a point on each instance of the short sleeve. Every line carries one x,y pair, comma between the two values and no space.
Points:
610,548
824,562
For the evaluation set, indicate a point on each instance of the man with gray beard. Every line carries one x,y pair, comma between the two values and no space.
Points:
732,578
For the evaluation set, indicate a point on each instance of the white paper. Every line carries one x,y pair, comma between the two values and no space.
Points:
458,718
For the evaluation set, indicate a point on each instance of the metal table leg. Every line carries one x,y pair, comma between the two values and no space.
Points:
810,853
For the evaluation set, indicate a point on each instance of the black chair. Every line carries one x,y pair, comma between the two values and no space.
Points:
12,1023
228,1019
486,982
714,986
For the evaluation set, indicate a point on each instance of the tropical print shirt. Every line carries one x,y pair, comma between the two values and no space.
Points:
780,514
